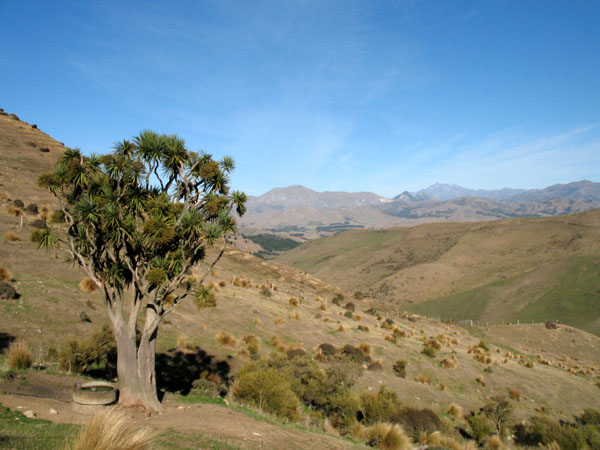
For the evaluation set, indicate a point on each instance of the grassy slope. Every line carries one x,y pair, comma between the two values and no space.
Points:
47,315
522,269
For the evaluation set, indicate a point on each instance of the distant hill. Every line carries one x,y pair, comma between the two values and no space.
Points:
312,214
294,196
451,191
516,269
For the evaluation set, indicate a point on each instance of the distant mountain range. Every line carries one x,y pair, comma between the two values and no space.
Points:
302,210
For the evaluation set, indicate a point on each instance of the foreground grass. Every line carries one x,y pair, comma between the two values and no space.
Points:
19,432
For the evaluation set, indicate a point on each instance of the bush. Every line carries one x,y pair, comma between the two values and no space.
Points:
112,429
57,217
32,209
18,203
358,295
205,387
387,436
400,368
327,349
39,223
36,235
545,430
95,355
415,420
350,306
380,406
428,351
265,291
7,291
18,356
481,427
354,354
268,390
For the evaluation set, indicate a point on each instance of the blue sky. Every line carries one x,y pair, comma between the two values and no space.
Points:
355,96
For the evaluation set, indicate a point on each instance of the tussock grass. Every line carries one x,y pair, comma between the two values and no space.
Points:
225,339
18,356
366,348
87,285
12,237
387,436
293,302
5,274
111,430
456,412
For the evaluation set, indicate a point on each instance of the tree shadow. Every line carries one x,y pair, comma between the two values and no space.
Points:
177,369
5,340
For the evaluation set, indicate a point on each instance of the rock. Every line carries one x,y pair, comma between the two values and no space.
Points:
29,414
53,411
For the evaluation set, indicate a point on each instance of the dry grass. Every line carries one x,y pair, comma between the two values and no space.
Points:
87,285
323,307
293,301
456,412
18,356
12,237
391,338
422,379
342,327
181,341
495,443
438,440
112,429
5,274
14,211
366,348
222,283
387,436
450,363
279,321
225,339
514,394
258,322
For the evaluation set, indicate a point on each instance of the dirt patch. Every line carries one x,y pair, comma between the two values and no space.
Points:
29,392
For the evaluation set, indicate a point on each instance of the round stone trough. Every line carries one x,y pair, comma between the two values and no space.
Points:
95,393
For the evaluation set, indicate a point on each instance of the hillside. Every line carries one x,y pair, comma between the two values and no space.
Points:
285,308
516,269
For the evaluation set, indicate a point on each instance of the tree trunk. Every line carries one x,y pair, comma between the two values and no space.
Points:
136,369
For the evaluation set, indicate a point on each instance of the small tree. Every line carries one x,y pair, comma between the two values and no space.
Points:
137,220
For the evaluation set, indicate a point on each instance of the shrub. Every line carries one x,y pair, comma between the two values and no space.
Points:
358,295
415,420
57,217
481,427
39,223
205,387
379,406
354,354
225,339
387,436
18,203
12,237
265,291
350,306
36,235
8,291
400,368
32,209
545,430
18,356
268,390
348,314
428,351
112,429
5,274
97,353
